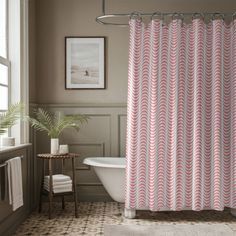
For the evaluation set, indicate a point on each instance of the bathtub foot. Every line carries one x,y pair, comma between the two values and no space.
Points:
233,212
130,213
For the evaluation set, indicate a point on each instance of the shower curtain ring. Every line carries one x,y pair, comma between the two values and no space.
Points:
157,14
198,15
136,15
233,16
177,15
218,15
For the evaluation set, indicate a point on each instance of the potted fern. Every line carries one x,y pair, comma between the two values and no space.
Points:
8,119
54,124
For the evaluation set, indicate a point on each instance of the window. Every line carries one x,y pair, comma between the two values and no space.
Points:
4,61
14,61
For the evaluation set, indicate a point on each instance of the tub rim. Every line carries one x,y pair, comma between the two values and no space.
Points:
94,161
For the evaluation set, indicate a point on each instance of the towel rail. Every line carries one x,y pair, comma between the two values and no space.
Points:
5,163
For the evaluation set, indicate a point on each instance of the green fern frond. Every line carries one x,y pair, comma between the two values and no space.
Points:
38,125
45,117
54,124
9,118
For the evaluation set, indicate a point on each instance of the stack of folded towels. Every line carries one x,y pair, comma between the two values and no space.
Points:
60,183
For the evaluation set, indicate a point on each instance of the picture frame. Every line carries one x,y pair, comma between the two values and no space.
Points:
85,62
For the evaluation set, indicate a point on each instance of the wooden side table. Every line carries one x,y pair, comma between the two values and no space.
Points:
50,158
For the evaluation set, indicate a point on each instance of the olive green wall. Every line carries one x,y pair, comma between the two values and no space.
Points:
56,19
104,135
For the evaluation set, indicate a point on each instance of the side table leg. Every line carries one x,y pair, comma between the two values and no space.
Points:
41,189
50,187
62,197
74,187
63,202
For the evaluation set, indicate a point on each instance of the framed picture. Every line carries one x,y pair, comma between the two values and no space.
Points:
85,62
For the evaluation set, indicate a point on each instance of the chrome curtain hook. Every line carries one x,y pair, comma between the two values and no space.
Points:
136,15
157,14
218,15
177,15
233,16
197,15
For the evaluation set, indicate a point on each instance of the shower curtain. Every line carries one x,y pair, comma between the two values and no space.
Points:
181,120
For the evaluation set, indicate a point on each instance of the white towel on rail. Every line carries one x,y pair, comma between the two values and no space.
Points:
14,173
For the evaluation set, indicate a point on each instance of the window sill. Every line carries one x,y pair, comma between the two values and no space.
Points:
13,148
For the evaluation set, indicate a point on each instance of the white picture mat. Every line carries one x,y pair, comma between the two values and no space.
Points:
84,42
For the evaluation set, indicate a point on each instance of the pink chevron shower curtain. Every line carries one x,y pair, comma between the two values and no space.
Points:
181,123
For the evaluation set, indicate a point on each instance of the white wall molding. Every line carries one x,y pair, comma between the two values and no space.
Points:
79,105
103,135
24,89
88,144
120,137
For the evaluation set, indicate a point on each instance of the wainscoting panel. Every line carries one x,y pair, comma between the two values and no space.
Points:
103,136
9,219
86,150
122,134
85,174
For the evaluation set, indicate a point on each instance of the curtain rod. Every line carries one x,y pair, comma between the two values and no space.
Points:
100,19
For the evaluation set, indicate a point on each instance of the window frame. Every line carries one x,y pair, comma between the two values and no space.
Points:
17,62
8,86
5,61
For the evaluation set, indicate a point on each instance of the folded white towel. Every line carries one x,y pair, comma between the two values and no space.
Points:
58,183
57,187
60,189
58,178
14,173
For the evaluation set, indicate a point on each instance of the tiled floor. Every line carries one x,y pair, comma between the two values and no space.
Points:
93,217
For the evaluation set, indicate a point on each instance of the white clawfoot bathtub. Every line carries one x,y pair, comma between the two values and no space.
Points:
111,172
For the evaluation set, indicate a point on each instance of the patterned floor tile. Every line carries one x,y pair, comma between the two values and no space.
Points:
93,217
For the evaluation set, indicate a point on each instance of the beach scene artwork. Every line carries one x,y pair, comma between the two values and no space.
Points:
85,63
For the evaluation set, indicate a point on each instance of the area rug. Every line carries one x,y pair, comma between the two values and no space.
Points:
169,230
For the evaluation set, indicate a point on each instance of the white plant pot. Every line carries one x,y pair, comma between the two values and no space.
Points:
54,145
63,149
8,141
